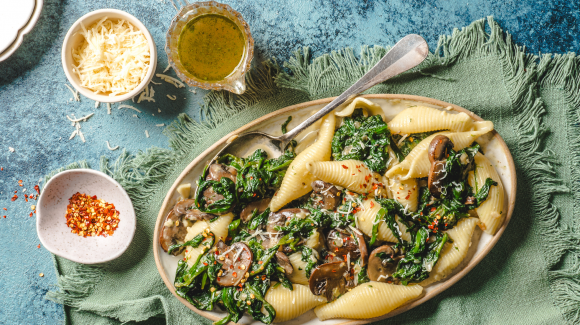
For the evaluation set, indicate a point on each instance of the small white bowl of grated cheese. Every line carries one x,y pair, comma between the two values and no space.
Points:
109,56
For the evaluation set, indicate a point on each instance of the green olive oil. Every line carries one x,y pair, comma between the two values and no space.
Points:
210,47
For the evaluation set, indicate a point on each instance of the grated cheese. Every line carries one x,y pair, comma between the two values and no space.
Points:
171,80
97,104
74,92
172,97
113,58
162,124
155,83
147,95
112,148
146,133
131,107
109,108
10,149
168,67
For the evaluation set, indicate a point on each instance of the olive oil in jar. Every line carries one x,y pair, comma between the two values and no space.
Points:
210,47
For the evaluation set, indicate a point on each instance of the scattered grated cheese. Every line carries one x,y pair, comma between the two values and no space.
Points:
112,149
83,119
97,104
146,133
74,92
172,97
171,80
193,91
113,58
147,95
109,108
159,110
131,107
135,116
155,83
11,149
162,124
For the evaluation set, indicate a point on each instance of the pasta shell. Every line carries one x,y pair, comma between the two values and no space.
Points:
416,164
352,174
365,104
420,119
297,180
490,212
453,254
299,266
219,228
406,192
368,300
366,217
290,304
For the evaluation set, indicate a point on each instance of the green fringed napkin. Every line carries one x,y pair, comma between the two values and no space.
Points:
531,276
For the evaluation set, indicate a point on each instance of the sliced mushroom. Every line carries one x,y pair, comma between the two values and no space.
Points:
261,206
235,260
342,243
439,147
182,207
325,195
381,269
211,196
329,279
437,152
278,219
173,232
284,262
194,215
217,171
362,246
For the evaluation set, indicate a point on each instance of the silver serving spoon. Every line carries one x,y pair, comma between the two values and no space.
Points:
406,54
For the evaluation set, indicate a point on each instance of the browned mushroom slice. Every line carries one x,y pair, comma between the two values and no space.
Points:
173,231
383,263
194,215
278,219
217,171
437,153
284,262
439,147
329,280
341,243
235,260
182,207
325,195
261,206
362,246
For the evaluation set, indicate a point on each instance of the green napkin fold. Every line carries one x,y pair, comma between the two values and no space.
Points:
532,274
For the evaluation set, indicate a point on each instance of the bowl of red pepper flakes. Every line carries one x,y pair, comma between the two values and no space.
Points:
85,216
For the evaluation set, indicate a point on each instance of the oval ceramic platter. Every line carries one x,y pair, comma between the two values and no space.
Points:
17,18
494,147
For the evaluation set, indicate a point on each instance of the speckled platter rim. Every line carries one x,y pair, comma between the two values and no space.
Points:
204,157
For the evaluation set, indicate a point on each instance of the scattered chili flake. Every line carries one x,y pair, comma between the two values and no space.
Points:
31,214
407,197
235,274
433,209
38,246
37,188
204,263
4,217
1,168
254,195
345,167
14,198
5,209
88,216
260,262
372,205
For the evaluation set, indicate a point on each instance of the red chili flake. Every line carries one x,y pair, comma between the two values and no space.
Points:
235,275
345,167
364,185
87,216
263,277
407,197
218,278
345,258
38,246
334,271
4,217
14,198
259,179
217,252
260,262
433,209
5,209
31,214
372,205
251,177
204,263
231,267
214,262
445,225
15,191
184,259
37,188
26,196
1,168
254,195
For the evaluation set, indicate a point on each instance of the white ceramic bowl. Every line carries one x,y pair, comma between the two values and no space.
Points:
17,18
72,40
56,236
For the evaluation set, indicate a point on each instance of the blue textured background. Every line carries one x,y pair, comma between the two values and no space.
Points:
34,101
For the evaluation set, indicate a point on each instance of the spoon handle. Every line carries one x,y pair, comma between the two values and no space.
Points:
406,54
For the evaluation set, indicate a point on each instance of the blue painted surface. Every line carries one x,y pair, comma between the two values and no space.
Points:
34,101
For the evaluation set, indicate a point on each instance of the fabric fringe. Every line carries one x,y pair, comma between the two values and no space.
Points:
563,71
76,286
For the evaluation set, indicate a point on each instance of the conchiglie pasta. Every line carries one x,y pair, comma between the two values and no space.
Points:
352,174
453,253
490,212
297,180
299,266
416,164
313,241
406,192
219,228
368,300
366,217
363,103
420,119
290,304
